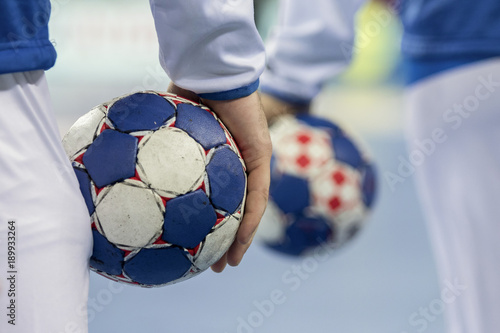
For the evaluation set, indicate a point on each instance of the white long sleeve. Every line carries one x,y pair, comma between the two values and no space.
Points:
211,47
310,45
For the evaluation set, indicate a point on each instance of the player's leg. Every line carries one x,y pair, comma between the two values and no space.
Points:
43,219
453,133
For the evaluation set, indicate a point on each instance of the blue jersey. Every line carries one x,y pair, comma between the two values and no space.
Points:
24,36
443,34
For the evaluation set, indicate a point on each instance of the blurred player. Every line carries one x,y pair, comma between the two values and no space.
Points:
44,228
451,52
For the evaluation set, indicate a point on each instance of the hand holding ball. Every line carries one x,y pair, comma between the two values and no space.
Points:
164,185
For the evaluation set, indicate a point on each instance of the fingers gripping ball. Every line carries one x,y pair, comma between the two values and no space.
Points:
322,186
164,184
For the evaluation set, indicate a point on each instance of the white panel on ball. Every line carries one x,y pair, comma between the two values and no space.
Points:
272,227
181,157
83,131
217,243
130,215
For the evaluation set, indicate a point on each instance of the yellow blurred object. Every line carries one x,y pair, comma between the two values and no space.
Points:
376,47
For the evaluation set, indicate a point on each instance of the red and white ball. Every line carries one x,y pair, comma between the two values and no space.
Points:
322,186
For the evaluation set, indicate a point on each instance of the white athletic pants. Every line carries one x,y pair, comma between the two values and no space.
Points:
45,238
453,127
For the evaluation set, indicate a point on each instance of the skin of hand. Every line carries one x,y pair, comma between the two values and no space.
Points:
274,107
245,119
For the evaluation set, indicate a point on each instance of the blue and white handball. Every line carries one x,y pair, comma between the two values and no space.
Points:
164,184
322,186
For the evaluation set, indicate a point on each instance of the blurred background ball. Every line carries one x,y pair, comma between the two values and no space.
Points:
164,184
322,186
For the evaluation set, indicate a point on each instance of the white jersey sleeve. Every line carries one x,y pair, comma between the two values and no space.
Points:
211,47
312,42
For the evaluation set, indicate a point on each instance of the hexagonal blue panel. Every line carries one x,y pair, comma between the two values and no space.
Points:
291,194
105,256
157,266
315,121
84,181
303,234
368,184
200,125
346,151
188,219
227,180
111,157
139,112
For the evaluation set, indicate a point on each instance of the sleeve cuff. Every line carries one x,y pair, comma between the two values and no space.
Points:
233,93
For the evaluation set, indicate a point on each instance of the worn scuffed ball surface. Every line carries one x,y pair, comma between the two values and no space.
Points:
164,184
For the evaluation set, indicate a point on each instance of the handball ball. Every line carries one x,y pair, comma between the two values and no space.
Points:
322,186
164,184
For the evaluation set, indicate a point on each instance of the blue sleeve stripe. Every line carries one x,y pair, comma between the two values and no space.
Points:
233,93
27,59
